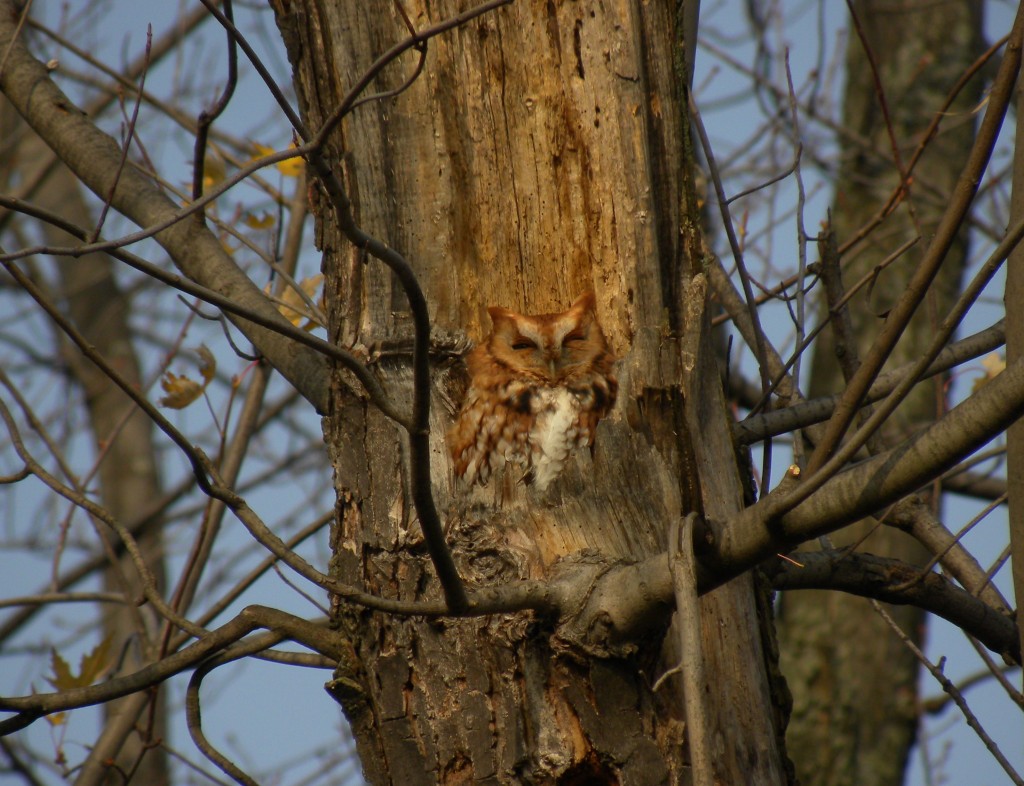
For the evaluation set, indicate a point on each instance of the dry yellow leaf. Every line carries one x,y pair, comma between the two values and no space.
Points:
993,364
180,389
91,666
290,167
265,221
293,307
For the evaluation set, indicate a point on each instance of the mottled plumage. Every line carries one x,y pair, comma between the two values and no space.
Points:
538,386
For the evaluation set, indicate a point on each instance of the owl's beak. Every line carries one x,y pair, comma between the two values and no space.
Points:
553,367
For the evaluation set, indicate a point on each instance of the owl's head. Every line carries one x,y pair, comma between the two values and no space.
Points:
549,347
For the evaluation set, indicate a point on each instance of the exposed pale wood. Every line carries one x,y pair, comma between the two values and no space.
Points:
541,154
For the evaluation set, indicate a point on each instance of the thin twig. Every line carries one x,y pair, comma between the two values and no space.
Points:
47,598
760,342
206,118
945,234
801,238
126,145
955,694
938,556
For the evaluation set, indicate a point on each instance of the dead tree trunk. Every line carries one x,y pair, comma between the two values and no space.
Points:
542,152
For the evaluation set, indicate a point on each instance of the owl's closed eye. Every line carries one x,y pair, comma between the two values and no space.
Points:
538,386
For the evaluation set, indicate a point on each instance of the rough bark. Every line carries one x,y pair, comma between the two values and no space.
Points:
854,683
524,698
541,153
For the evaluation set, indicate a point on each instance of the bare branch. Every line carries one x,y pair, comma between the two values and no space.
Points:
30,708
92,155
945,233
752,429
756,533
892,581
951,689
684,582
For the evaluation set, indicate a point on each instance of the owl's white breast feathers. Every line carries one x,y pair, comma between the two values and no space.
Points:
555,434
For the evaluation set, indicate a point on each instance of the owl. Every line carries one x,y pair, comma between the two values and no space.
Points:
538,386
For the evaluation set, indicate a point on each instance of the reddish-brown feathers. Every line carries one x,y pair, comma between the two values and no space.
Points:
539,385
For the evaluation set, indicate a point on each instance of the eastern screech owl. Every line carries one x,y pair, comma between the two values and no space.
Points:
539,385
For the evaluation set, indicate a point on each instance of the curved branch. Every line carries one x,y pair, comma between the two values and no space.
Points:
194,721
806,413
204,123
895,582
419,428
281,624
755,534
317,637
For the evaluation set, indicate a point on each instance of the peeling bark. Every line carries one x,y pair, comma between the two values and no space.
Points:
541,153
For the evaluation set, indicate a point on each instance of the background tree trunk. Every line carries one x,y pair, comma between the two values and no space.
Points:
854,683
543,152
127,466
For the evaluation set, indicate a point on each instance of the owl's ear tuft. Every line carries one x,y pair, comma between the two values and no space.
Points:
501,314
585,302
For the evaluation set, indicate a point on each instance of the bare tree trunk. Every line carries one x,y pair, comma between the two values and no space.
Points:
128,746
854,683
128,477
543,152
